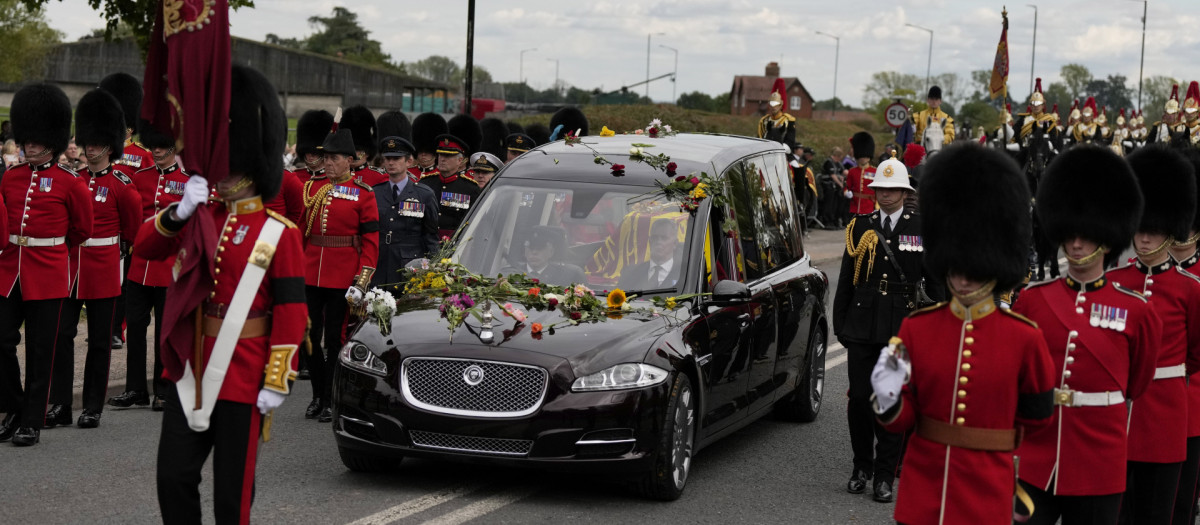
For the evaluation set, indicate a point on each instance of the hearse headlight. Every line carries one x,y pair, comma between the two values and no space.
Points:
625,375
357,356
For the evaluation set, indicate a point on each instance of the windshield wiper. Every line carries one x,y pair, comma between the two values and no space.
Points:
642,293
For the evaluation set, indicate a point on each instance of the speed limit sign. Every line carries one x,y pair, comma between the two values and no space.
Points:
896,114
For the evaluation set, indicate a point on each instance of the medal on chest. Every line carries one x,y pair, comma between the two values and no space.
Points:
174,187
1108,317
456,200
343,192
411,208
45,184
130,159
240,234
102,194
911,243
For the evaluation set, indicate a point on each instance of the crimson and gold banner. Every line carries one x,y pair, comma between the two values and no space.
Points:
1000,66
631,245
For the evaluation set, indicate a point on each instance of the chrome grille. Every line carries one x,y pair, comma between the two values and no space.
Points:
472,387
479,445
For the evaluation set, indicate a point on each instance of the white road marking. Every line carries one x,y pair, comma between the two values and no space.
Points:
482,507
835,347
835,362
415,506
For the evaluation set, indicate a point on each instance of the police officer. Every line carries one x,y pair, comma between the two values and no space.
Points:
454,187
408,214
516,144
882,274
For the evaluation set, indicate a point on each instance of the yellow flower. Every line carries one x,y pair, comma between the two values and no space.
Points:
670,303
438,283
616,298
445,261
605,132
698,192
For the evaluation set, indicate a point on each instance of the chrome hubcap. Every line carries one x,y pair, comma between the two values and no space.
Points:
818,382
685,429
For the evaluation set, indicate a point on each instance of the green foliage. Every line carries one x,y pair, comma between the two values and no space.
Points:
341,35
27,38
1156,90
704,102
1076,77
137,15
886,86
831,104
437,68
978,113
1111,92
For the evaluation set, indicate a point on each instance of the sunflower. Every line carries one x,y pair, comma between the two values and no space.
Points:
616,298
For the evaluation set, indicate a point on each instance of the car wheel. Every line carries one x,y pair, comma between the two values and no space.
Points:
805,402
359,462
673,459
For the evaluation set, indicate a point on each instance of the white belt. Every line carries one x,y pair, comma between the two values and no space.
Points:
1072,398
1168,372
21,240
102,241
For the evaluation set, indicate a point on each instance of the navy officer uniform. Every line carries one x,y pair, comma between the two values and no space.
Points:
408,218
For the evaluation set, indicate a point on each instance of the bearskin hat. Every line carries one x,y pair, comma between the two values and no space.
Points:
513,127
1193,156
863,145
128,91
425,130
571,119
1168,183
41,113
977,226
494,133
311,130
466,128
393,124
257,131
361,123
539,133
152,137
1088,191
99,121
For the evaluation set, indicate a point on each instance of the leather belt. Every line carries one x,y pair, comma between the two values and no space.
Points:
335,241
973,438
1072,398
1168,372
218,310
21,240
102,241
254,327
885,287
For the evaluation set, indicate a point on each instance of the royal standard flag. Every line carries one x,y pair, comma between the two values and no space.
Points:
1000,66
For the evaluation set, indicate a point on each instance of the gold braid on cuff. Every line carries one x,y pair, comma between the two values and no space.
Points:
363,279
279,373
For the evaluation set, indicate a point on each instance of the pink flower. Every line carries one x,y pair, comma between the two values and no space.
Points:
694,180
637,132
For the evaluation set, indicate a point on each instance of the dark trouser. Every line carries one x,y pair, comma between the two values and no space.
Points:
232,436
41,328
1074,510
99,352
1149,493
829,204
327,311
140,301
876,451
1185,496
118,321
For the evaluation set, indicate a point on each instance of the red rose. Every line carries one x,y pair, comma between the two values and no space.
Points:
680,178
575,316
671,166
552,303
616,167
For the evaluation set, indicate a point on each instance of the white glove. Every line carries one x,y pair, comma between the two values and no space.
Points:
849,194
887,381
195,193
354,295
269,400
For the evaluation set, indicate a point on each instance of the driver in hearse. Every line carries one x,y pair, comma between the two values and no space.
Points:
661,271
544,245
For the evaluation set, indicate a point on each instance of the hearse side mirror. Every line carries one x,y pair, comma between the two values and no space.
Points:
730,292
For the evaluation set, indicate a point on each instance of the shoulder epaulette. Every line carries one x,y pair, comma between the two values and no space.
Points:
927,309
377,169
144,169
121,176
363,185
430,174
67,169
467,175
1019,317
279,217
1187,273
1043,283
1128,292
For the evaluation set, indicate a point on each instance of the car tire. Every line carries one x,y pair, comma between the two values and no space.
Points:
676,443
359,462
804,404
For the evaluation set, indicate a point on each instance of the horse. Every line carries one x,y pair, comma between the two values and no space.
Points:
933,137
1037,154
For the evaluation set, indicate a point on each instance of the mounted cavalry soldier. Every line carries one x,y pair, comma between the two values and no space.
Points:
1086,130
1039,124
1191,114
1171,128
935,128
778,125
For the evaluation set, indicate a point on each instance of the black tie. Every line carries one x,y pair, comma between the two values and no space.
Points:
656,278
396,188
887,225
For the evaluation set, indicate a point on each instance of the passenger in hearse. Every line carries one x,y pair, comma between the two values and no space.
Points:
542,249
661,271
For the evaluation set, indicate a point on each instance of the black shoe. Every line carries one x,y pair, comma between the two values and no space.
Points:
883,492
88,419
26,436
858,482
9,426
118,343
58,415
129,398
313,409
159,404
326,415
303,374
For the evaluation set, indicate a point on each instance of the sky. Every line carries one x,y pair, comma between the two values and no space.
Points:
603,43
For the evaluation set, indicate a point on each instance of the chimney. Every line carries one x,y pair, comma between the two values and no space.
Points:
773,69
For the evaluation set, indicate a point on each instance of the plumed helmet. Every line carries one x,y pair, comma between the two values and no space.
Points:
1172,106
426,128
1168,183
361,123
977,226
311,130
513,127
99,121
494,133
393,124
467,129
539,133
41,113
863,145
1087,191
571,119
257,130
1037,98
128,91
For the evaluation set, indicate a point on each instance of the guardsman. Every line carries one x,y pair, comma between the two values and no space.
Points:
312,128
1158,422
49,209
341,230
466,128
1102,337
361,123
454,187
777,125
1171,127
568,120
884,279
492,141
96,272
147,281
1186,255
967,376
290,200
517,144
484,166
408,214
426,128
935,128
250,310
860,177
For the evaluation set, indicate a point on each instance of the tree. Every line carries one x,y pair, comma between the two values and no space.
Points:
695,100
888,85
27,40
981,85
459,78
721,102
1076,77
290,43
137,14
830,104
978,113
1111,92
1054,93
121,32
342,36
436,68
1156,90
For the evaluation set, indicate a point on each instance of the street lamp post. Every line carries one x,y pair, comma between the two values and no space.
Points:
555,60
1033,54
1142,67
929,62
837,51
648,35
674,73
521,73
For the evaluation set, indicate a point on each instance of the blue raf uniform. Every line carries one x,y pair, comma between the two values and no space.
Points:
408,218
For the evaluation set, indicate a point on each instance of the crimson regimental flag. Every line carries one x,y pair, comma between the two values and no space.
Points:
1000,66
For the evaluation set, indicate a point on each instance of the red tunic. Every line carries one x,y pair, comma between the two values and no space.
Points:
304,174
157,188
858,181
136,157
290,201
1189,265
1084,452
973,369
370,175
1158,423
42,202
414,174
117,215
346,212
281,292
